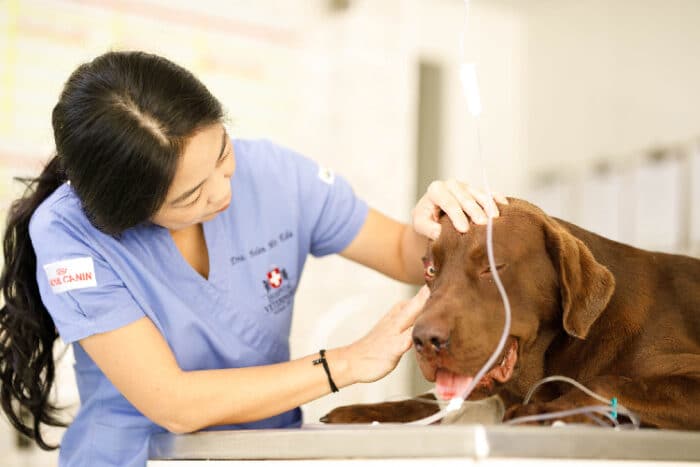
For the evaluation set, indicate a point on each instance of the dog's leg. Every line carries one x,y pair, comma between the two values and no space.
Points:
384,412
664,402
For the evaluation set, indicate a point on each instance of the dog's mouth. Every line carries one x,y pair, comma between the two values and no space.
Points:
450,384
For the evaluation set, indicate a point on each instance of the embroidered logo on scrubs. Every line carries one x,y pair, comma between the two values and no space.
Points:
275,278
326,175
279,290
71,274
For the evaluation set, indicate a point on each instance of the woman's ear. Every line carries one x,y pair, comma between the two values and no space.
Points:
585,285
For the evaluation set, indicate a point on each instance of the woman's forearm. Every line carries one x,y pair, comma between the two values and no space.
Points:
231,396
147,373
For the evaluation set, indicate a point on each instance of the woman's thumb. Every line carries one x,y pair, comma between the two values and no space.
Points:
413,308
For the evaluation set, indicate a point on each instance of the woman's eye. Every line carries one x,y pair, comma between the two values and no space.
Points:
192,203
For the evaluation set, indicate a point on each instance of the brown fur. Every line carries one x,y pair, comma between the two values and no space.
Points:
623,321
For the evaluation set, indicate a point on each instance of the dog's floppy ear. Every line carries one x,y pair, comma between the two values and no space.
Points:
585,285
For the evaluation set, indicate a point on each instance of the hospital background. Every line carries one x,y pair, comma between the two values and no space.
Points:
590,110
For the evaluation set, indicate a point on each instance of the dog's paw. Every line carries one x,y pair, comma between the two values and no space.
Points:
517,413
385,412
350,414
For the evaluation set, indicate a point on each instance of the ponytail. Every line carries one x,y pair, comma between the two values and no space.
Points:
27,332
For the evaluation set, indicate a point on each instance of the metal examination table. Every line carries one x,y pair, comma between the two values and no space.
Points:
445,444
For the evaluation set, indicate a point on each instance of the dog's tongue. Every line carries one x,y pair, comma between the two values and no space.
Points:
449,385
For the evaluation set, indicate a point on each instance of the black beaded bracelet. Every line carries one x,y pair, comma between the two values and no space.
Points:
322,360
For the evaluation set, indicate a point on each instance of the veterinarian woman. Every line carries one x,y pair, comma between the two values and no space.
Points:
144,242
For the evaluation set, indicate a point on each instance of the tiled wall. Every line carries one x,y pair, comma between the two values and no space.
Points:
649,201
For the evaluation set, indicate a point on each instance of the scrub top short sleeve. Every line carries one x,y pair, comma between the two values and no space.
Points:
80,288
329,208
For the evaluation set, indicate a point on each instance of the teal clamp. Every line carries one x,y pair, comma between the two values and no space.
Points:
613,407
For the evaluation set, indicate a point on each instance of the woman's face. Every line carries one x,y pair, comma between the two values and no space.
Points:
201,187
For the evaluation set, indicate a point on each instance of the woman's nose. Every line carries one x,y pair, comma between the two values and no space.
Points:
223,188
222,192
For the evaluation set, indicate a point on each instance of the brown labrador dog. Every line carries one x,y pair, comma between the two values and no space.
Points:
623,321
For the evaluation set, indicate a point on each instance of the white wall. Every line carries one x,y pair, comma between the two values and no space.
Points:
612,82
493,41
609,79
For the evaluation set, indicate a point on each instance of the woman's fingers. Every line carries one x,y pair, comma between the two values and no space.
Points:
500,198
392,334
425,218
459,201
486,203
410,311
406,340
474,202
443,198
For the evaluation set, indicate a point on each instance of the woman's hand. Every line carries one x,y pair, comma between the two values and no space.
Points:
456,199
376,354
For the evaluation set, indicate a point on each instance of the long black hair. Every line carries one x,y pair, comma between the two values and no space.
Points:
120,126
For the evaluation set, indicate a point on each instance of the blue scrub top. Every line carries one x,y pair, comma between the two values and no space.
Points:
283,207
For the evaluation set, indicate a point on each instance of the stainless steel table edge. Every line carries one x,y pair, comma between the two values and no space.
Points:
401,441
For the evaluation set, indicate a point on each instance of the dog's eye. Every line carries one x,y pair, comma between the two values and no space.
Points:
429,270
487,271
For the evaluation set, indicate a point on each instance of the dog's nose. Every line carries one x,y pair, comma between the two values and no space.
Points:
430,336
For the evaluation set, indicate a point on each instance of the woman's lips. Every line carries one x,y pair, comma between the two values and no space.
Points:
225,206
